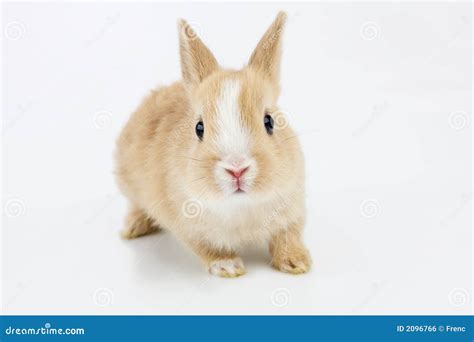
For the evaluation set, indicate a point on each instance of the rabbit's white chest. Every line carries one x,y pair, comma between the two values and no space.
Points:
232,227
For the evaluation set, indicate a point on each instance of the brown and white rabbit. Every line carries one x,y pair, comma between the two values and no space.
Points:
210,159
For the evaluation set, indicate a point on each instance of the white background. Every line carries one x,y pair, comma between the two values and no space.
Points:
379,93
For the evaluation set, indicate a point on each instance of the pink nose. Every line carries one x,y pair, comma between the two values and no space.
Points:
237,173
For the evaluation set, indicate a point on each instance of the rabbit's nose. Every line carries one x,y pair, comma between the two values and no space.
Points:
237,173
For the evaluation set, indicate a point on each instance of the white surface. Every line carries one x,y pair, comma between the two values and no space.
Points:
388,164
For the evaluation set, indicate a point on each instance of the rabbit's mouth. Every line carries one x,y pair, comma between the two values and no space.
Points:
235,178
239,188
239,185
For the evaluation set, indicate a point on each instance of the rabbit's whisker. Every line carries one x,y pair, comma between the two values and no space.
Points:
195,159
195,180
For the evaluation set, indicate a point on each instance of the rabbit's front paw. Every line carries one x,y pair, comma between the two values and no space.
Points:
227,268
288,252
294,263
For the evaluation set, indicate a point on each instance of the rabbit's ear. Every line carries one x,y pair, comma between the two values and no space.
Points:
266,56
197,62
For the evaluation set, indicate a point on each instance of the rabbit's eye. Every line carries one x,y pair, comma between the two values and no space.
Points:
200,129
268,122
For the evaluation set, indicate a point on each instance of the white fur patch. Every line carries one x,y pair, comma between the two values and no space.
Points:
232,138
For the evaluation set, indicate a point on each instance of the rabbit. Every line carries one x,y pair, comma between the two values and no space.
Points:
212,159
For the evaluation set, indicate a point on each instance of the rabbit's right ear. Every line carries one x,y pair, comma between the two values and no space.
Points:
267,55
197,62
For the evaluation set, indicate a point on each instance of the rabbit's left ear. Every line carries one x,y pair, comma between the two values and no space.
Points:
197,61
267,55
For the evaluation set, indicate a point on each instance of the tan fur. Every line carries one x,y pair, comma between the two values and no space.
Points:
162,166
138,224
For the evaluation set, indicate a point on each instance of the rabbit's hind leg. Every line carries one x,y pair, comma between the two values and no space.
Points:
138,224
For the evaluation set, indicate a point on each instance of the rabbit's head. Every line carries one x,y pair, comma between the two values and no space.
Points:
238,144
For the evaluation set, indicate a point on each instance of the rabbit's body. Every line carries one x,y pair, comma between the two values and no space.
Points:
190,187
